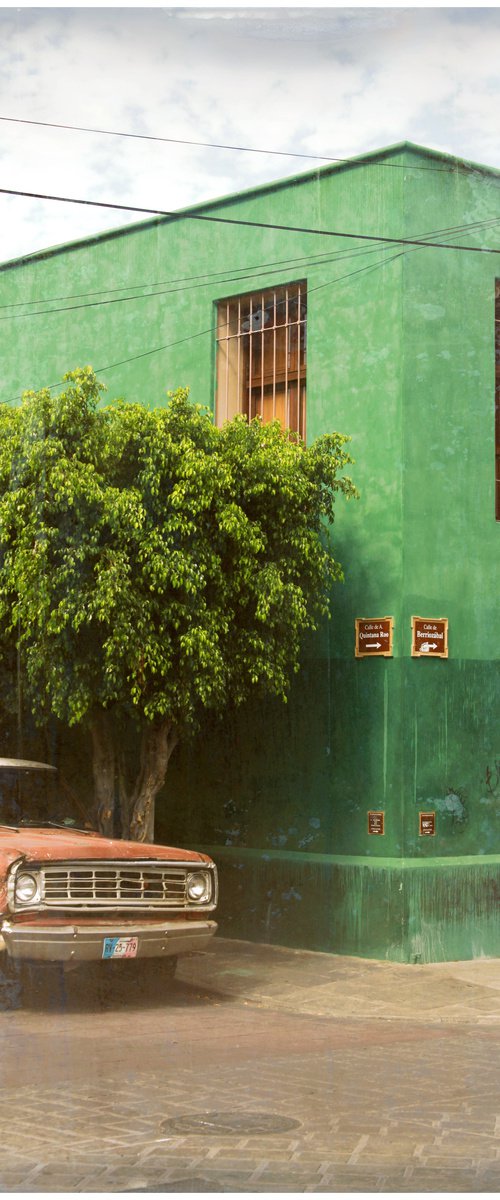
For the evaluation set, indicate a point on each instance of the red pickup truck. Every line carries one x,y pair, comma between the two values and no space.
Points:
68,895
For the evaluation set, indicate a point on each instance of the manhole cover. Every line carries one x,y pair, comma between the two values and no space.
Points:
230,1122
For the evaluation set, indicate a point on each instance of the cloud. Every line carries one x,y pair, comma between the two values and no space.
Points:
333,82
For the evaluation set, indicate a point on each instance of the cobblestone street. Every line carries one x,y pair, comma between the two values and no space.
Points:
96,1081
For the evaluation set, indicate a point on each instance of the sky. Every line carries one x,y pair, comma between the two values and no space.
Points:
330,82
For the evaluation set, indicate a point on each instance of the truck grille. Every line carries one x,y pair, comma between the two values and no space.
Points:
113,885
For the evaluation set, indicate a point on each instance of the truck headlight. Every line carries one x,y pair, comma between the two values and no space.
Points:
27,889
199,887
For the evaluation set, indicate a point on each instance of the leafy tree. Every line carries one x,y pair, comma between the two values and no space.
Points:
154,567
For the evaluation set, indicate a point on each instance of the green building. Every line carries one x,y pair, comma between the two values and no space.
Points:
363,817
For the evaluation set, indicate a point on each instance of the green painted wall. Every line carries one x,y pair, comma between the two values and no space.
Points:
400,356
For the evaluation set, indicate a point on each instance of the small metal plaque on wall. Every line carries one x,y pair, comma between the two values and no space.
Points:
427,824
376,822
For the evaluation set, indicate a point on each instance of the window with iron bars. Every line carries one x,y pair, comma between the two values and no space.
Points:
261,357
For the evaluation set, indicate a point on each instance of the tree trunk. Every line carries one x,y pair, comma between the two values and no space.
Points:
157,743
123,792
136,802
103,763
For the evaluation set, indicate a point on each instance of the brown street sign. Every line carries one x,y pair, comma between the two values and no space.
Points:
373,637
429,637
376,822
427,824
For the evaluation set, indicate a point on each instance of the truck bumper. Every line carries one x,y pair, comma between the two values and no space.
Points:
75,942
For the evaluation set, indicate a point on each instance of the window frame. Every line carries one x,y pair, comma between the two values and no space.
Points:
261,370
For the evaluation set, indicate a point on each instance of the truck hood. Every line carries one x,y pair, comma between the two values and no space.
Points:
57,845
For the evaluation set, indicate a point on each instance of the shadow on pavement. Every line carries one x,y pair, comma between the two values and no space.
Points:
101,988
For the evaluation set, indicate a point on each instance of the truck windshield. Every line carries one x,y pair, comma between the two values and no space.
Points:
35,796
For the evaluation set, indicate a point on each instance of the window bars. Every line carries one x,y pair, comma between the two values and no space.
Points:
261,356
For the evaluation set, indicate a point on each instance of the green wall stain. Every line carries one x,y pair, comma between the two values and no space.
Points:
400,356
386,718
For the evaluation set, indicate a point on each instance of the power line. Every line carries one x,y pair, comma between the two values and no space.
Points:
412,243
206,281
208,277
217,276
249,270
173,291
190,282
212,329
368,160
189,215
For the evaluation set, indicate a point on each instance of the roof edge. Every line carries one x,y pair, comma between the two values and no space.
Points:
372,157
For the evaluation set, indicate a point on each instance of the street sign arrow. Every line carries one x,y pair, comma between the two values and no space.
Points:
429,637
373,637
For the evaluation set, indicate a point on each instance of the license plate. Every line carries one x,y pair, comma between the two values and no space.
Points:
120,947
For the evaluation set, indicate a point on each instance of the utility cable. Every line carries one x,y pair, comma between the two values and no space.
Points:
203,332
166,287
368,160
414,243
189,215
252,273
208,276
170,291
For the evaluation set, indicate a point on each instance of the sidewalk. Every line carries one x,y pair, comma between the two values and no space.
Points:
233,1081
328,985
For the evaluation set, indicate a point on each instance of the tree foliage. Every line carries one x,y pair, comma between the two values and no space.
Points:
154,566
